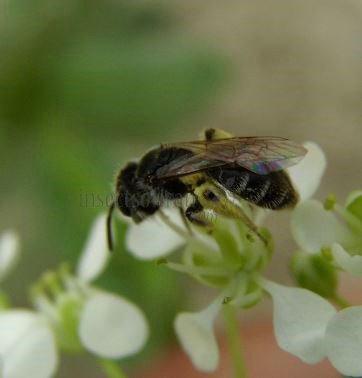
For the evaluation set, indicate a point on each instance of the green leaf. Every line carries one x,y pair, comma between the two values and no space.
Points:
135,87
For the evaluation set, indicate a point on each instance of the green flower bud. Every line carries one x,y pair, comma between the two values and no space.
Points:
330,202
314,272
226,238
252,297
354,204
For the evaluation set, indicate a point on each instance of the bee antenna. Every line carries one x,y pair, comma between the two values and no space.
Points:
109,225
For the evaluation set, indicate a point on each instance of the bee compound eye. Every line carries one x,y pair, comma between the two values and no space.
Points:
210,196
124,204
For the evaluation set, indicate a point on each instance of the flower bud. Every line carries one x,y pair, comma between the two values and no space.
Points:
354,204
315,273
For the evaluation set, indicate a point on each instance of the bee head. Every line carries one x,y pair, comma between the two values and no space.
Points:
135,195
134,199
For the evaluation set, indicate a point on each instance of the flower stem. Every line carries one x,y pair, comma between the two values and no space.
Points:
111,368
234,340
350,218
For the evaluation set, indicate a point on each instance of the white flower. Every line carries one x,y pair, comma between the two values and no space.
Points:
340,231
306,175
300,320
343,341
27,345
337,230
218,260
95,254
9,252
196,334
111,326
314,227
106,324
152,238
309,327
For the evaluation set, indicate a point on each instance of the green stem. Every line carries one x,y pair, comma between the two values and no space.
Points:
111,368
350,218
234,340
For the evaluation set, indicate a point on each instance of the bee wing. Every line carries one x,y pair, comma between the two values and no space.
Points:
187,165
261,155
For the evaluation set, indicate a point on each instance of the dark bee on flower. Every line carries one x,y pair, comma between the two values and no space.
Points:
210,170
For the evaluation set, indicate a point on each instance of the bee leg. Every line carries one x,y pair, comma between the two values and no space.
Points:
194,213
251,225
214,198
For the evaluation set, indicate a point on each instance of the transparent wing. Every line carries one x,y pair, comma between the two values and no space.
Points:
261,155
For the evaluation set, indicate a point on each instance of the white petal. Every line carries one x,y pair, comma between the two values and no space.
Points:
314,227
152,238
344,341
27,345
306,175
9,252
111,326
300,319
350,264
196,334
95,253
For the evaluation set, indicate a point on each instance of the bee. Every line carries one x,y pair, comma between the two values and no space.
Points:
210,170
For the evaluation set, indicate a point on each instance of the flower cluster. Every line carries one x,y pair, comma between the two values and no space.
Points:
233,258
330,240
72,315
69,314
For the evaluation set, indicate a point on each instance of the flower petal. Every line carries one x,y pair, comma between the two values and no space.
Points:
95,253
111,326
313,227
196,334
152,238
9,252
300,320
350,264
306,175
27,345
343,341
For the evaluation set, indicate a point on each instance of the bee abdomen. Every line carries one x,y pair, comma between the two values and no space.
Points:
273,191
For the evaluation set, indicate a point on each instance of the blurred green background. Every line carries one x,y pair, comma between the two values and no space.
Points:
87,85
